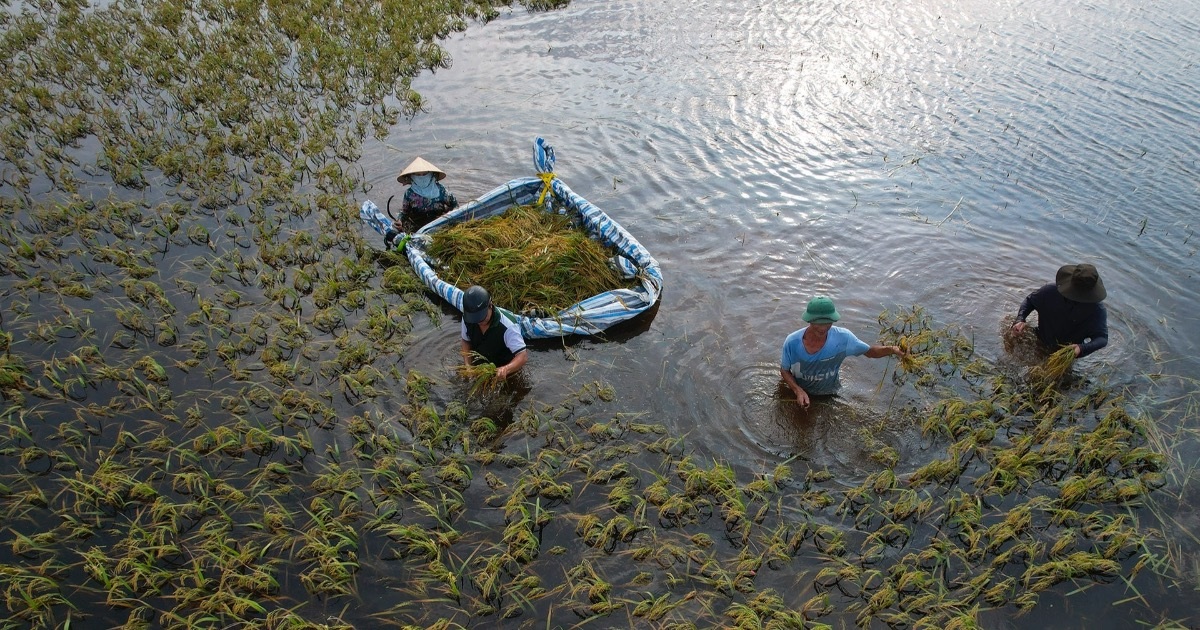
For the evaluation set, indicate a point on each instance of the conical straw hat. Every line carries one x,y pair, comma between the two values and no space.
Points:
419,165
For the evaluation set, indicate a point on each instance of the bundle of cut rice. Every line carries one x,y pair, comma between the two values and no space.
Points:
530,261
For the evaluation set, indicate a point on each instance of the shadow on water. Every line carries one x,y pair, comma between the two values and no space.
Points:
499,404
617,333
623,331
434,352
853,433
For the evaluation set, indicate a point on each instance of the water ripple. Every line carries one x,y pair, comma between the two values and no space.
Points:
951,156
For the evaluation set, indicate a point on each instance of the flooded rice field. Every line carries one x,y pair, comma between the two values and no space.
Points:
225,406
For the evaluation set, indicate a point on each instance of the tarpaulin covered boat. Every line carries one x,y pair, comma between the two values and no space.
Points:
587,317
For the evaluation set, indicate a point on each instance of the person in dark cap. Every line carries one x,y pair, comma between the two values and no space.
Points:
1069,311
487,333
426,198
813,355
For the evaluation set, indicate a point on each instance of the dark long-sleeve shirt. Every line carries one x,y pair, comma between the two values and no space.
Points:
1062,321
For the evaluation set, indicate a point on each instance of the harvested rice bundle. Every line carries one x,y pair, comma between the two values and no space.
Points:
531,261
917,350
1054,368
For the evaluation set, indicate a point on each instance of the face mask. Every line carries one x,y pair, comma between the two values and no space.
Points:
425,185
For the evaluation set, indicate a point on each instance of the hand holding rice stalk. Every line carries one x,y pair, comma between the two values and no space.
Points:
911,331
484,377
1055,367
914,355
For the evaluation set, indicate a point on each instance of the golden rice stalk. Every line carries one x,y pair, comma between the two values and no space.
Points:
1054,368
482,377
916,350
528,259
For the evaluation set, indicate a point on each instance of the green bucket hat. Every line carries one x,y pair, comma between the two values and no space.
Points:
821,311
1080,283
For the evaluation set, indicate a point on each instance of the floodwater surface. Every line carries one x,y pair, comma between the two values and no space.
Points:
895,154
885,154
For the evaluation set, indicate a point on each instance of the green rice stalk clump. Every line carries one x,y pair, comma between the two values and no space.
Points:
528,260
12,372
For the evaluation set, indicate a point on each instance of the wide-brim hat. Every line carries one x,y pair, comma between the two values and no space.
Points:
417,166
1080,283
820,310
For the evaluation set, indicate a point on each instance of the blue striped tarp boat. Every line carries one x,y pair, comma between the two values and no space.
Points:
587,317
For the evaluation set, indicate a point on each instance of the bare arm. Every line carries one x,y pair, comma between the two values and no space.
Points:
876,352
801,395
517,363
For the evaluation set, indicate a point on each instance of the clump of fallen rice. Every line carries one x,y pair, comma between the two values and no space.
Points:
528,260
481,375
1055,367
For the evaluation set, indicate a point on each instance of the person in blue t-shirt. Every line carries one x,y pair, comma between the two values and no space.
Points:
813,355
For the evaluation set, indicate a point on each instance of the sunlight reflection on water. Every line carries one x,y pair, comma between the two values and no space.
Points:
885,154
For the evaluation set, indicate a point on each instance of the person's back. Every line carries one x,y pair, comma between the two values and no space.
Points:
1063,322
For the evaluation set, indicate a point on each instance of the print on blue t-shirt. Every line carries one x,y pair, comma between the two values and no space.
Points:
818,373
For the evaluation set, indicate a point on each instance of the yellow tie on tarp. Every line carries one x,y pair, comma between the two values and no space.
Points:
546,179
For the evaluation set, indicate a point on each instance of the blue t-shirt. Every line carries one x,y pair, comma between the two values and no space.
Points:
818,373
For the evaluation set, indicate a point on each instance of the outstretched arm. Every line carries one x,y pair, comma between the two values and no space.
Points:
876,352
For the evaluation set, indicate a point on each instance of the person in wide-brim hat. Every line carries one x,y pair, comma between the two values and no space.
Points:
1069,310
419,166
1080,283
813,355
426,198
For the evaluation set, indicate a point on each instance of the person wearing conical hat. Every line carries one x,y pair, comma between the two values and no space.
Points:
813,355
1069,310
426,198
